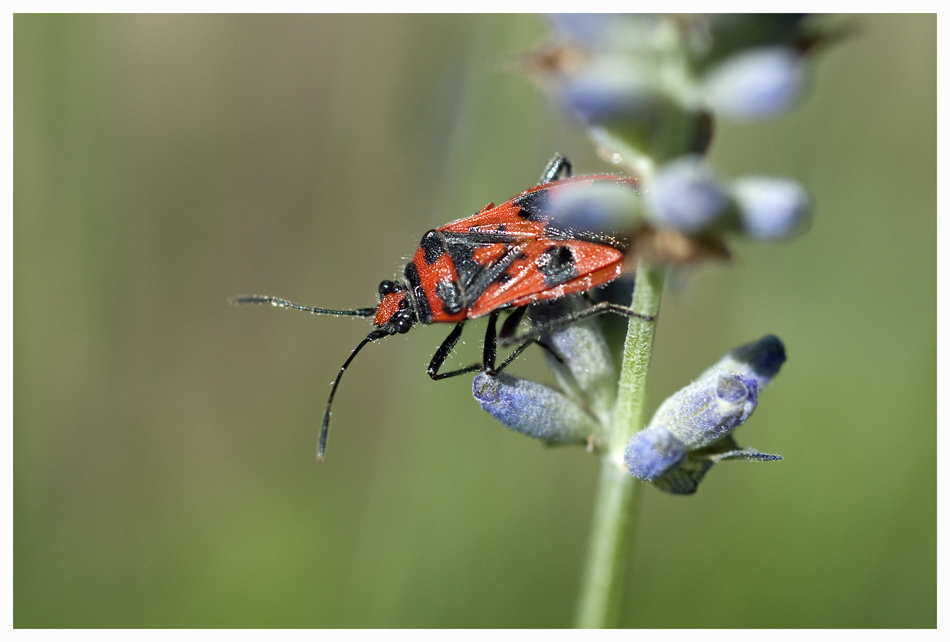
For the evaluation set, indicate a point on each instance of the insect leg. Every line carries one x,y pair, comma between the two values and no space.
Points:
524,346
511,357
567,319
490,350
551,351
491,344
558,168
508,329
489,353
443,353
510,325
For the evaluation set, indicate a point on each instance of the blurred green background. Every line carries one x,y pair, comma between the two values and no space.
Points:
164,470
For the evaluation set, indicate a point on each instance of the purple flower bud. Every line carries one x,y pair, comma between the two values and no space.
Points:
708,408
532,409
770,207
602,206
703,415
653,452
610,91
686,196
760,360
756,83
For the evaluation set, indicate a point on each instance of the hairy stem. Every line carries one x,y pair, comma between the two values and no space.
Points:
617,489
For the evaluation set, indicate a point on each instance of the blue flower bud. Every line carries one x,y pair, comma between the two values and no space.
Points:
703,415
532,409
607,92
756,83
760,360
600,207
770,207
708,408
686,196
653,452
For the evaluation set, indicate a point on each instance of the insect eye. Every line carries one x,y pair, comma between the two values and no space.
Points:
386,287
404,303
402,324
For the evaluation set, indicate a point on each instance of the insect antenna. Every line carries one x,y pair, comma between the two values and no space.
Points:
283,303
325,428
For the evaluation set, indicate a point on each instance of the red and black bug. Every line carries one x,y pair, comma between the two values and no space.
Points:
503,257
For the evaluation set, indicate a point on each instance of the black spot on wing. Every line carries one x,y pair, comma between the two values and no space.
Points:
432,246
462,253
506,276
535,206
558,265
492,274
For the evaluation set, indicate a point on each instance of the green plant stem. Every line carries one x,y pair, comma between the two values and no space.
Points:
617,490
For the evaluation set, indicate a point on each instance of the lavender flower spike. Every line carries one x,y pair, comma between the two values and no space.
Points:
691,430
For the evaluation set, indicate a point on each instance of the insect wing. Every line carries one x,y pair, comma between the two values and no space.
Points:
548,269
514,254
500,224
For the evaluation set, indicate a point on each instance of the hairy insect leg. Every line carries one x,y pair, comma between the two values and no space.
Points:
558,168
568,319
507,334
443,353
510,325
491,342
489,351
524,346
